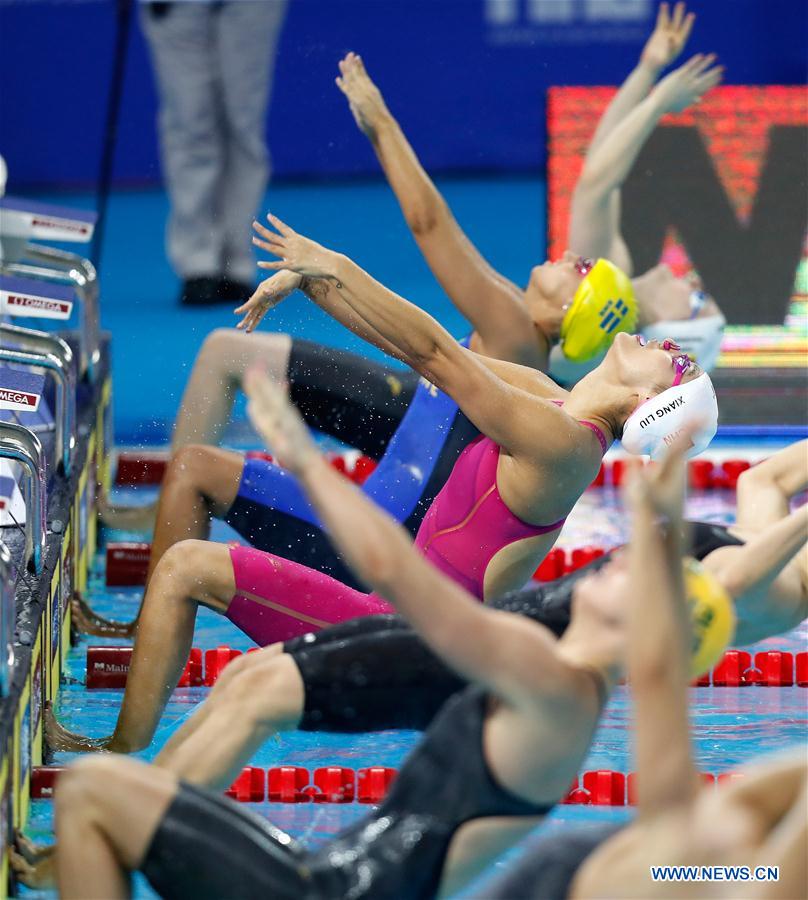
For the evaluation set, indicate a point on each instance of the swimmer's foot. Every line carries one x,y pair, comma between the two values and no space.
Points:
32,864
29,850
87,621
126,518
57,737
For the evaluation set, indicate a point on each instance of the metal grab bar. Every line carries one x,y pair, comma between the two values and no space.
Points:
65,393
68,268
8,617
39,341
74,265
21,445
43,342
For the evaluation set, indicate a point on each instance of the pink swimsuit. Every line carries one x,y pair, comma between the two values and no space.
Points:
467,524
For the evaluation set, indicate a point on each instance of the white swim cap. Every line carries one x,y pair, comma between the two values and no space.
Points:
3,176
656,424
700,339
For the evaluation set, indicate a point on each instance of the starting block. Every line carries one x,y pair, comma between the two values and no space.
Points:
140,468
127,563
43,781
108,668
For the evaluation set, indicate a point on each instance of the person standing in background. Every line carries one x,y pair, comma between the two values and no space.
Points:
213,61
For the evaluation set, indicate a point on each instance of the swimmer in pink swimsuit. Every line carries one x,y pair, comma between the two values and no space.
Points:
493,522
465,529
466,526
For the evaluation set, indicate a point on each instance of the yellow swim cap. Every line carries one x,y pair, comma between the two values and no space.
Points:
712,615
603,305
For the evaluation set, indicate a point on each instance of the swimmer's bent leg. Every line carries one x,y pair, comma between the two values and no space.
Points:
208,847
276,599
348,396
271,513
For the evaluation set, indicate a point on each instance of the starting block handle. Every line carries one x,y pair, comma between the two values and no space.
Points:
83,273
21,445
8,617
71,269
62,372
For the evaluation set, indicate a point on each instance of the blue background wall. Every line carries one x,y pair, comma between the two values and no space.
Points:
466,77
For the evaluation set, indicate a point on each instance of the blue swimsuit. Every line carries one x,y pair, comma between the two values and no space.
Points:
272,513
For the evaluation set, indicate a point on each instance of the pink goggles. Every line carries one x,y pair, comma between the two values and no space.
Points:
681,365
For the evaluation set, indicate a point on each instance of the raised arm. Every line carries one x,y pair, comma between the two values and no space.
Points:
493,648
659,638
493,304
760,560
592,228
517,420
765,490
278,287
749,574
666,43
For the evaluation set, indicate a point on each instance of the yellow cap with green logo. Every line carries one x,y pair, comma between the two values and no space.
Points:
712,617
603,306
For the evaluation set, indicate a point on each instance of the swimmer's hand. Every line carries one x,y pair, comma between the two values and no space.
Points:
669,37
687,84
278,422
660,486
268,294
364,98
295,252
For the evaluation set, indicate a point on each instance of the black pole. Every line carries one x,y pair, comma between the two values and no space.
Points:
123,19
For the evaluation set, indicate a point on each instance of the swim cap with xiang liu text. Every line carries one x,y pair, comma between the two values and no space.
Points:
658,422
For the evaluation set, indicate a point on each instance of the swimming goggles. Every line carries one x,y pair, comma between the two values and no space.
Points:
681,365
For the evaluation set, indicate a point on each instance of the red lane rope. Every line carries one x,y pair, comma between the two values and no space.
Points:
339,784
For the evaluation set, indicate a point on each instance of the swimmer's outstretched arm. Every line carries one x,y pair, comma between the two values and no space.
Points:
493,304
666,42
764,491
592,228
659,639
768,574
749,573
278,287
506,652
515,419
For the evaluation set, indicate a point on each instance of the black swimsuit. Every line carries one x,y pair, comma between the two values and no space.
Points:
350,397
707,536
207,846
375,673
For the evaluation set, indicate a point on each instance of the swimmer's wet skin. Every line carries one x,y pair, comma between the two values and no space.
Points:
375,673
504,773
262,503
482,459
424,811
541,459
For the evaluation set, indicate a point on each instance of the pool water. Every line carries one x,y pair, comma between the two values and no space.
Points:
731,726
